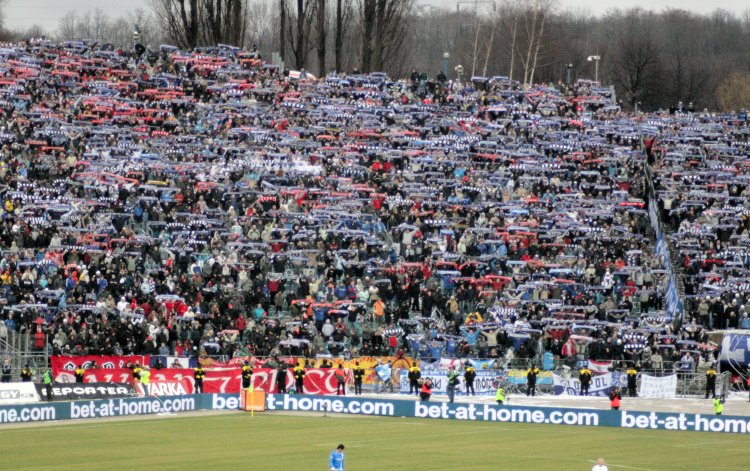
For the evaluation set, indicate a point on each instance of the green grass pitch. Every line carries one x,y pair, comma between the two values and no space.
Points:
302,443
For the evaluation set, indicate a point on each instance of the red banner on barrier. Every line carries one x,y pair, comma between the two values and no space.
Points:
60,362
228,380
98,375
218,380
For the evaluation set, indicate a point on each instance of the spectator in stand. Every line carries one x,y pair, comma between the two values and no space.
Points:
102,260
6,372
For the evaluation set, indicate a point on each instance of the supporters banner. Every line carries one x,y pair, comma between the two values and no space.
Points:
367,362
600,385
160,388
60,362
174,362
237,362
735,350
480,363
519,377
229,380
97,375
600,367
76,391
18,393
654,386
483,383
446,363
169,382
218,380
317,380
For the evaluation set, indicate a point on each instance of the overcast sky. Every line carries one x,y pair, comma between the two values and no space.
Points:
47,13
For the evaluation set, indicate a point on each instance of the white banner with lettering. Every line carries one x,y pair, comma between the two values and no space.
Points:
655,386
18,393
600,385
483,383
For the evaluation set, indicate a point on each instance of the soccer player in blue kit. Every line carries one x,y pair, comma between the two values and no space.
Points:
336,460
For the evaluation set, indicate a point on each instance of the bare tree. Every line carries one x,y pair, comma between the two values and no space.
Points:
367,11
2,17
535,17
259,25
190,23
224,21
339,39
180,19
118,32
493,28
299,27
545,9
635,63
67,28
282,29
384,27
322,29
734,92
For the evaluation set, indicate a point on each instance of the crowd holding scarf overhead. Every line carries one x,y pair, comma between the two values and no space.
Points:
201,204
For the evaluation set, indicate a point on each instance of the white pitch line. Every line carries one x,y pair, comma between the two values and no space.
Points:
573,460
690,445
108,421
624,466
389,439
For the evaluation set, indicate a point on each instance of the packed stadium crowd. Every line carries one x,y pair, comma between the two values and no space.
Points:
203,203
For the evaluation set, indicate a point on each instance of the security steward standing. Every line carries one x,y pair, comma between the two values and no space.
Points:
247,375
281,372
632,376
469,376
199,374
26,374
584,377
137,373
711,382
531,375
79,372
500,396
452,383
414,376
47,381
359,374
299,379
